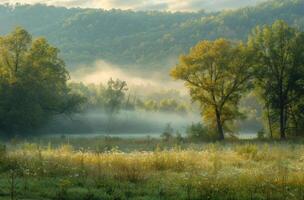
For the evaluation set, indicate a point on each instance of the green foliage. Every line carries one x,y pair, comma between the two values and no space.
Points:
147,39
3,156
112,99
33,83
261,134
167,134
114,96
279,72
197,132
172,106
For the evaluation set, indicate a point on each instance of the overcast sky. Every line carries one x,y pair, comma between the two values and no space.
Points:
172,5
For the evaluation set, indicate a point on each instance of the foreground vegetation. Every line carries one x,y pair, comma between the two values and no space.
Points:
231,170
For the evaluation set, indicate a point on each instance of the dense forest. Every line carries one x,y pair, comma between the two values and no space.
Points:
149,40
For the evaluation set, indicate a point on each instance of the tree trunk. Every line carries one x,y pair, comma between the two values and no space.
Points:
295,122
282,123
269,122
219,125
282,111
12,192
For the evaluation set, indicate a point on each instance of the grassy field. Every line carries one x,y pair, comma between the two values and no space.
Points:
106,168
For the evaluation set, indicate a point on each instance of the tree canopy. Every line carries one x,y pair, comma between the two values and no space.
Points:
216,74
279,72
151,40
33,83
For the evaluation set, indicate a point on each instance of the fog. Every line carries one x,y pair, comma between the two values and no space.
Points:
135,76
141,84
126,122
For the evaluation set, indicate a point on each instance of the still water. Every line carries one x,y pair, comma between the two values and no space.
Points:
244,135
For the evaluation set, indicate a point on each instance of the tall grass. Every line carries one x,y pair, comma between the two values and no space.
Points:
235,171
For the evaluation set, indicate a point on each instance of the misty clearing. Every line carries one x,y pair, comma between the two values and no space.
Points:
104,100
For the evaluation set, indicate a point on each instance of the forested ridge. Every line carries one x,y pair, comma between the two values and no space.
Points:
150,40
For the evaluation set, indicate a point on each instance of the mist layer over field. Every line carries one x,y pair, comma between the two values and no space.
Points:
140,84
126,122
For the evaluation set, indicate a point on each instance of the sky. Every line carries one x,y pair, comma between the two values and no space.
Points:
161,5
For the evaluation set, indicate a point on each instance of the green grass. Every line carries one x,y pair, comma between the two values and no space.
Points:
173,170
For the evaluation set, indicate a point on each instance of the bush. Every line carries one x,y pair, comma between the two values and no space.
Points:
178,137
167,134
261,134
2,156
198,132
2,151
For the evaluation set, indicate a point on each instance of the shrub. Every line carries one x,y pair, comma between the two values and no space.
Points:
261,134
167,135
179,138
3,157
2,152
198,132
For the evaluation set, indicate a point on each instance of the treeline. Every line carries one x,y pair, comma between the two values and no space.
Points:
33,83
218,73
116,96
34,89
147,39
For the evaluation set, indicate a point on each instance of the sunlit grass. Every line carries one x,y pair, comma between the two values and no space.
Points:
230,171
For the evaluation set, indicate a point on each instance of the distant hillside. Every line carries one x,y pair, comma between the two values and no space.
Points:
148,39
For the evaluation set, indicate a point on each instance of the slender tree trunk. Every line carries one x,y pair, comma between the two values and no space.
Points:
282,111
17,61
269,122
219,125
282,123
295,122
12,192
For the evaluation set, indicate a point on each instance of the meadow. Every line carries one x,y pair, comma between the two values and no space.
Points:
202,76
113,168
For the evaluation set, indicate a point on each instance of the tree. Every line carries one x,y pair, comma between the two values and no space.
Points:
14,48
33,83
279,69
114,96
217,74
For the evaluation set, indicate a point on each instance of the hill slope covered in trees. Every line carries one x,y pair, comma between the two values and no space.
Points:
151,40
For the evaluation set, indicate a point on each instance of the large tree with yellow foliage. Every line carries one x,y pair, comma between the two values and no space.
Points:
217,74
